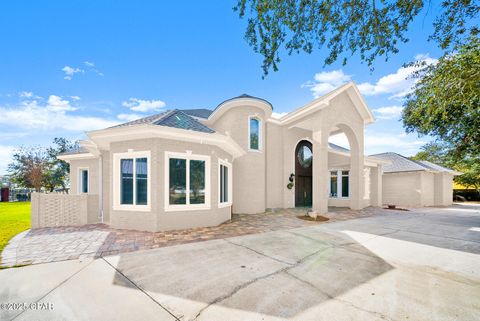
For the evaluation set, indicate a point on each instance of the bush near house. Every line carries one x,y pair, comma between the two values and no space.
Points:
14,218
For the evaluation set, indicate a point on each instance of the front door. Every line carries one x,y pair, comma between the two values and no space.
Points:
303,174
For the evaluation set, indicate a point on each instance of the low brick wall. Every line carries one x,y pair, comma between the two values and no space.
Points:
49,210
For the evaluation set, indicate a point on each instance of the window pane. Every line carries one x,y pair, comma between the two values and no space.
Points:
345,185
141,179
178,181
126,182
222,194
254,133
225,185
197,182
84,181
333,184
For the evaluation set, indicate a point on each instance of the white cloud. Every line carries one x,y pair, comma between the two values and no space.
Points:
6,153
397,84
26,94
50,115
389,112
129,117
57,104
278,115
376,142
75,97
143,106
381,142
327,81
89,67
70,71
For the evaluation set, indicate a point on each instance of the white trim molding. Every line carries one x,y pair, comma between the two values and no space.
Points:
188,156
229,201
117,157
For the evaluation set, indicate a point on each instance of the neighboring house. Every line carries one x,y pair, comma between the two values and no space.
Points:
416,183
193,168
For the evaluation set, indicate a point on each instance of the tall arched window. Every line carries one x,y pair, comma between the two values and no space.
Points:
254,130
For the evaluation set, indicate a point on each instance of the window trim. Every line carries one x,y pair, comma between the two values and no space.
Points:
339,184
80,180
188,156
117,157
260,134
225,163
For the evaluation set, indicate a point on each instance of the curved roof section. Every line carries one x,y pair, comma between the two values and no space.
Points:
242,96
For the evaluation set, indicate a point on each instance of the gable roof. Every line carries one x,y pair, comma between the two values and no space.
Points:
401,163
171,118
322,102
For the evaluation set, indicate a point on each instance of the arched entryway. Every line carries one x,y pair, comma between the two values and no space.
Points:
303,174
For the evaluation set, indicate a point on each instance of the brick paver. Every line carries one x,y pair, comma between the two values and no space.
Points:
66,243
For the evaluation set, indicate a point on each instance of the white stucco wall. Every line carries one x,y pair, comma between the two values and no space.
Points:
402,189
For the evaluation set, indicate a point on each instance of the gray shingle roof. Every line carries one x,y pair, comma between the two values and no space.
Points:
245,96
403,164
436,167
171,118
338,148
80,150
200,113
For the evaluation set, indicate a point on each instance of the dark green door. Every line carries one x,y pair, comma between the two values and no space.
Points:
303,174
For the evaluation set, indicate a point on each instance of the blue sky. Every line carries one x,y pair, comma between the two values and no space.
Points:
70,66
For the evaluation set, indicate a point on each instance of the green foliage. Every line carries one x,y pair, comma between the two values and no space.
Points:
371,28
445,102
441,154
37,167
432,152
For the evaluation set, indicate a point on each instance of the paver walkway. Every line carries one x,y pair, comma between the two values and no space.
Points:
67,243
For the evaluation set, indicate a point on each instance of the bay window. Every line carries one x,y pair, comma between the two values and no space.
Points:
187,181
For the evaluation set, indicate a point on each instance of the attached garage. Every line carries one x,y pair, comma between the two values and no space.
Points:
415,183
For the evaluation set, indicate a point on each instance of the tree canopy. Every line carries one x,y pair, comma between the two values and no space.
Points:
445,102
369,28
436,153
37,167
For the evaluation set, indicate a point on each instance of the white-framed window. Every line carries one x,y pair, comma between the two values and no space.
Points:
132,181
224,183
83,180
339,186
254,133
187,181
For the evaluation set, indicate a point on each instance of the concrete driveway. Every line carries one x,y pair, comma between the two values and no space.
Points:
417,265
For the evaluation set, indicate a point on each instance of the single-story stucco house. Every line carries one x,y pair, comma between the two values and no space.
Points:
194,168
408,182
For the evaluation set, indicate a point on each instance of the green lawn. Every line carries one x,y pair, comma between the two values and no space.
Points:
14,218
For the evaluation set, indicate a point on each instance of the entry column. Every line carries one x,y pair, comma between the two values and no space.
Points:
320,171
